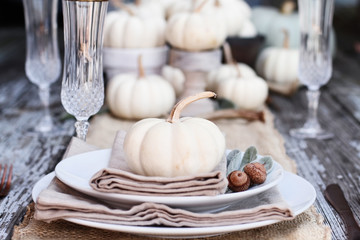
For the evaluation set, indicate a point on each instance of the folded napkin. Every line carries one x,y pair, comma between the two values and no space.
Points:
59,201
118,178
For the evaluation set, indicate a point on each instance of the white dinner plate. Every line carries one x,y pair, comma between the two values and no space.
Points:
77,171
296,191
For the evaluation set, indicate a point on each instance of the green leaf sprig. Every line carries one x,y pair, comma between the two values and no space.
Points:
236,160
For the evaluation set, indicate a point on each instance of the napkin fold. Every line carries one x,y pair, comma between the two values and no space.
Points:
118,178
59,201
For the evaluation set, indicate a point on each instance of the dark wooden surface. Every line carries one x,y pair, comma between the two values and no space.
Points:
320,162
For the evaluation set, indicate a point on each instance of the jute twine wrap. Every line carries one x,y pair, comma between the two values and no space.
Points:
239,134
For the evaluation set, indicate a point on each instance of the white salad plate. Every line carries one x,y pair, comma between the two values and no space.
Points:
296,191
77,171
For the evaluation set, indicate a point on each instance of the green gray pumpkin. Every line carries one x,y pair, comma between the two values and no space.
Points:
271,22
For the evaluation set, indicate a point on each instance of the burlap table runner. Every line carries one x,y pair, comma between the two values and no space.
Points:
239,134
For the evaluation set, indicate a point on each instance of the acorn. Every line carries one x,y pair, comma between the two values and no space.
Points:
256,172
238,181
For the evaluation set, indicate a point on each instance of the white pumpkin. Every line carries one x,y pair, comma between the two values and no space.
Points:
125,29
195,31
164,4
279,64
184,6
226,71
176,146
235,13
133,96
148,8
175,77
247,93
232,12
248,30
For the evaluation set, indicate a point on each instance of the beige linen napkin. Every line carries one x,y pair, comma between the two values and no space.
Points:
59,201
118,178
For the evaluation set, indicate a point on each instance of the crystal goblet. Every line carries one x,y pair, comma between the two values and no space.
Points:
43,65
82,91
315,65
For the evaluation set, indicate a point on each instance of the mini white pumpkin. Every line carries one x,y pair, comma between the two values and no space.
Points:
125,29
248,93
176,146
175,77
164,4
134,96
279,64
235,13
195,31
227,71
184,6
148,8
248,29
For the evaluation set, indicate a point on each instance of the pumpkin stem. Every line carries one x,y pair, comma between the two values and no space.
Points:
217,3
176,111
121,5
198,9
141,68
171,58
286,39
237,67
228,54
287,7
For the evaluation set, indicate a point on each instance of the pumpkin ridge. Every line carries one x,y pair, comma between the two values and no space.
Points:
125,32
145,142
185,26
141,70
132,99
210,136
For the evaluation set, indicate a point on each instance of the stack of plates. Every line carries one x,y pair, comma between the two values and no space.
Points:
76,172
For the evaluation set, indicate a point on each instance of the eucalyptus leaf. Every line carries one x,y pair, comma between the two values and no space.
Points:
249,156
234,161
268,163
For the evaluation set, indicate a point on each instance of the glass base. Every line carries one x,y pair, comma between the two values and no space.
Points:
45,125
311,133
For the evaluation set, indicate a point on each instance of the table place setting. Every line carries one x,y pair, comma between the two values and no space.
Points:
178,138
59,201
95,198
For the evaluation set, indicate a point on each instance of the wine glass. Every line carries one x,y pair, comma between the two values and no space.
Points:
315,65
82,91
43,65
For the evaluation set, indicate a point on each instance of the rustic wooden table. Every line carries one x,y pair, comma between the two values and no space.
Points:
320,162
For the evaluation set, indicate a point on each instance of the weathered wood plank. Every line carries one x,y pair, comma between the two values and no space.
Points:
330,161
32,154
320,162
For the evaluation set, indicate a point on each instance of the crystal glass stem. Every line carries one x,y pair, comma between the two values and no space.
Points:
82,91
315,64
42,65
46,123
313,103
82,129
